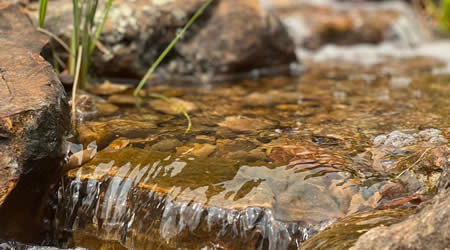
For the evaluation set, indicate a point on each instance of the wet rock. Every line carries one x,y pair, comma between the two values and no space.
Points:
124,100
79,158
256,155
271,98
428,229
230,37
172,106
303,186
197,150
286,151
185,194
117,144
89,107
106,109
103,132
226,145
166,145
108,88
246,124
205,138
345,232
85,107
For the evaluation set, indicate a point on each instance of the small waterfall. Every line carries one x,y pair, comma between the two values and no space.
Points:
154,200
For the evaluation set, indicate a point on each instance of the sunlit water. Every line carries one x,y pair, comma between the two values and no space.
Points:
266,165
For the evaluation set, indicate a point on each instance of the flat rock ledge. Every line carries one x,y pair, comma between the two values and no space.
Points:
34,113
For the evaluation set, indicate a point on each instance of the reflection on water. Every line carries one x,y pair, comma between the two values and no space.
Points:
266,165
144,199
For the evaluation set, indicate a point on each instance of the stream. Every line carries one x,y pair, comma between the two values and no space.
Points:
357,138
266,164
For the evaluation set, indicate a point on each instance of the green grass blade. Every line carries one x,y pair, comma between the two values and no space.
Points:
42,12
75,87
75,41
92,11
179,107
167,50
100,27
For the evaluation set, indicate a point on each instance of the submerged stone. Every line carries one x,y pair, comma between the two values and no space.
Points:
108,88
146,198
106,131
173,106
245,124
197,150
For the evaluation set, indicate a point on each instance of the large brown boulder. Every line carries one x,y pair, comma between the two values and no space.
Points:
231,37
33,114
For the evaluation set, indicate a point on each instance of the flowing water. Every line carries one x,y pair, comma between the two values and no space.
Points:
266,165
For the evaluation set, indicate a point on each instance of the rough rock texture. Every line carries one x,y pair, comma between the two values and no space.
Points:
429,229
33,108
345,232
444,180
231,37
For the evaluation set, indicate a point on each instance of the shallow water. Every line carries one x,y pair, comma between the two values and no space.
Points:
266,165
